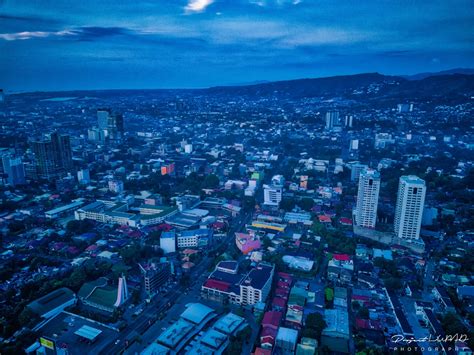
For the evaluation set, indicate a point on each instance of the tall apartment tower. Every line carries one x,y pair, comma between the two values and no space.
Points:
110,124
409,210
14,170
367,198
332,119
53,156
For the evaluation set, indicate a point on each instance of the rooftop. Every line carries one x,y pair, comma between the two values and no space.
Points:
196,313
51,301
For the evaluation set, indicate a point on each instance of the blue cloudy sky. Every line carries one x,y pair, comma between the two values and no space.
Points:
91,44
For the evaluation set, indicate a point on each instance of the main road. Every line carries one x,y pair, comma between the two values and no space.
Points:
158,305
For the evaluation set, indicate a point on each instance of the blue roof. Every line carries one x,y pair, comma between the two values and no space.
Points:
196,312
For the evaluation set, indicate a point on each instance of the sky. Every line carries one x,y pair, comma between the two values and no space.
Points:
54,45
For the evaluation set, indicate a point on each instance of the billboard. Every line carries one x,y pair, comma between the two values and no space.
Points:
49,344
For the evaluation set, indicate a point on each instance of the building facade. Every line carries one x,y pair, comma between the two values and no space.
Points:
367,198
409,210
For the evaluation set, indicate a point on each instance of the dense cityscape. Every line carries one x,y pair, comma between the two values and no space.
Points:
236,177
321,216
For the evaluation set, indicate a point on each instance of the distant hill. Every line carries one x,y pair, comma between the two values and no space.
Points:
372,85
419,76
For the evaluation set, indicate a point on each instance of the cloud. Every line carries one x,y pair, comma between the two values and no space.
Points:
34,34
194,6
80,33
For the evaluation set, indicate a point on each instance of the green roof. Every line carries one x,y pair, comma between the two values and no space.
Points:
104,296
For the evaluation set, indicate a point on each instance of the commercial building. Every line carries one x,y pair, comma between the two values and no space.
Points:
336,335
195,238
356,169
115,186
155,275
367,198
409,209
286,340
59,211
190,323
112,212
13,169
53,303
272,195
83,176
168,242
53,156
226,285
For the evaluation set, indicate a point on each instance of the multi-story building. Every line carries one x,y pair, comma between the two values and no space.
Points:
14,170
195,238
53,156
272,195
83,176
155,275
226,285
168,242
409,210
367,198
356,169
115,186
111,123
332,119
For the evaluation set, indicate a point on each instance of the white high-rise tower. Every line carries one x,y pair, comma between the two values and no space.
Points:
409,210
367,198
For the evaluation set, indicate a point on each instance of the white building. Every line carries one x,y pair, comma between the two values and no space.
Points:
332,119
168,242
116,186
409,210
256,286
188,148
272,194
83,176
367,198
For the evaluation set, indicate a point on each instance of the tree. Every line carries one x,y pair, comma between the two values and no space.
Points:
393,283
306,203
363,313
329,294
316,324
452,324
287,204
79,227
28,318
210,182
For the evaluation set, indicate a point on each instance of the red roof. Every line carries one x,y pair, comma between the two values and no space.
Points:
267,340
344,220
272,319
279,302
367,324
260,351
283,284
282,292
360,298
342,257
216,284
218,225
324,219
285,277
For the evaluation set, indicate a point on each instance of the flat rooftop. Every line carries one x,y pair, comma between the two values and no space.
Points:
73,332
